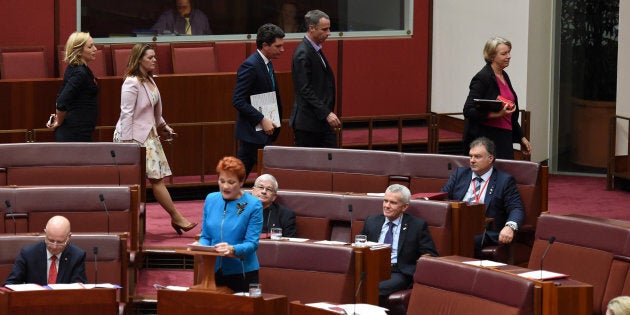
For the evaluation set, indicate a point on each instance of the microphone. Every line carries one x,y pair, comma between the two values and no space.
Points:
100,196
7,203
95,251
331,172
113,154
350,211
356,294
551,240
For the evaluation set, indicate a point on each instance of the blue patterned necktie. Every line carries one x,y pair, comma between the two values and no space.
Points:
273,81
389,236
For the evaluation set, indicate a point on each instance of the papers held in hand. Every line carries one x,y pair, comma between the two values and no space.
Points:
488,105
199,247
267,104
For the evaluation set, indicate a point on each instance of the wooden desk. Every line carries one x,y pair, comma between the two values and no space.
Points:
207,303
67,302
377,267
559,296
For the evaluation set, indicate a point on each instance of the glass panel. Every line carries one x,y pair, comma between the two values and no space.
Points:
588,81
123,19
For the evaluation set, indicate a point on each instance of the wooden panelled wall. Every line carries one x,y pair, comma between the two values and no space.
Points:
199,107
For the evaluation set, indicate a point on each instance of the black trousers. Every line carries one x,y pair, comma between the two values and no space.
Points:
237,282
323,139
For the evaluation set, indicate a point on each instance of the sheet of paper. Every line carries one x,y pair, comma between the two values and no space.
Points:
484,263
376,194
267,104
297,239
25,287
66,286
542,275
101,285
327,306
331,243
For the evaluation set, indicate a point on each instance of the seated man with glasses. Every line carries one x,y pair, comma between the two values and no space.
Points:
275,215
52,260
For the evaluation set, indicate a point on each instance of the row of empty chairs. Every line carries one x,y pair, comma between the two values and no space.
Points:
111,60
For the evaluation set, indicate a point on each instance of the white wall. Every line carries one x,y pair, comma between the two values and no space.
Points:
623,74
460,30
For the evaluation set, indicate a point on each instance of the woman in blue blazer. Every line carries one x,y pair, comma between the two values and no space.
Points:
232,222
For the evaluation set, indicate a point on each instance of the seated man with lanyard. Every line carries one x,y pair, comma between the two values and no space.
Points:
408,235
484,183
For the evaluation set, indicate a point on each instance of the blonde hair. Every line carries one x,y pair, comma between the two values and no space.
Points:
74,46
619,306
133,66
490,49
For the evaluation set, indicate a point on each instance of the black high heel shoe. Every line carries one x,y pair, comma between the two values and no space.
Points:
178,228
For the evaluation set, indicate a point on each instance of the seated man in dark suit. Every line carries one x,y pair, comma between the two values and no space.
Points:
408,235
484,183
51,261
184,19
275,215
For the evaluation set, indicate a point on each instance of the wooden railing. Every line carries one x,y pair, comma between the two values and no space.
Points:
618,165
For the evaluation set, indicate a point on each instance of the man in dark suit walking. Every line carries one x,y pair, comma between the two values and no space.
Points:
51,261
408,235
256,76
484,183
312,116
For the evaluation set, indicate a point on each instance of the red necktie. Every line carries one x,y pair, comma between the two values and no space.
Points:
52,273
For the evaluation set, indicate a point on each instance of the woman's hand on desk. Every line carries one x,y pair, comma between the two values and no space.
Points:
224,248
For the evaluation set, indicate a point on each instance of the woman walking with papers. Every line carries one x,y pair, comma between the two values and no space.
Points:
492,83
256,84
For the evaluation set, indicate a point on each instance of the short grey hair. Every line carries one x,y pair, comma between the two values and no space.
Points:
405,194
267,177
312,17
487,143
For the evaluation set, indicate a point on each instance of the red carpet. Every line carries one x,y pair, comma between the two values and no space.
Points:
588,196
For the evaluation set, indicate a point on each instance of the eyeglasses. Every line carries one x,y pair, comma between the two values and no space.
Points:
55,243
267,189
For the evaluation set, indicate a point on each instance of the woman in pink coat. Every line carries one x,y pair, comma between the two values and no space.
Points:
141,120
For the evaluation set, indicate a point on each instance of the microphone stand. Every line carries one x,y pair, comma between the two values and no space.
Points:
95,251
350,211
100,196
551,240
332,183
113,154
361,278
10,212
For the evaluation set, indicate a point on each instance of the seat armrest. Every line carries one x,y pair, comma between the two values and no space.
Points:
398,302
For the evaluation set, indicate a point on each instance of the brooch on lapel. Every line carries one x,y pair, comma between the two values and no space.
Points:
404,227
491,190
240,207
